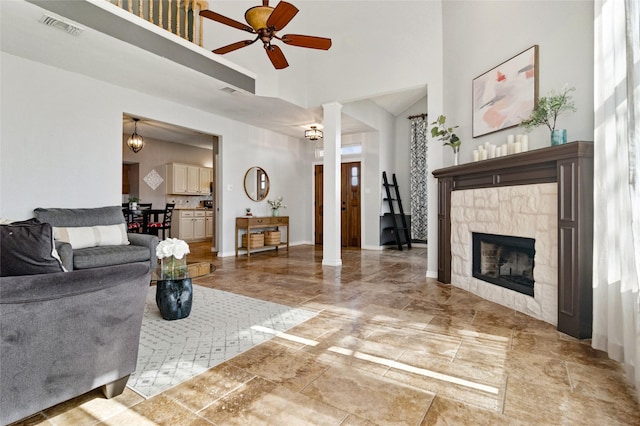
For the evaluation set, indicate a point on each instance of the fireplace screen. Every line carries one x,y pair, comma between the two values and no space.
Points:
505,261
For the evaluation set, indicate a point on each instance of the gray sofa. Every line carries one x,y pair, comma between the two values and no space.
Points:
142,247
66,333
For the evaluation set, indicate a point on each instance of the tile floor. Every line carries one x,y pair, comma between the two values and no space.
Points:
388,347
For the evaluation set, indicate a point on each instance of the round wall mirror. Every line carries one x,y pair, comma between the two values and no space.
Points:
256,183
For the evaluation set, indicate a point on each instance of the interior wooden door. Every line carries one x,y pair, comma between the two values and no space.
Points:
350,188
319,187
351,182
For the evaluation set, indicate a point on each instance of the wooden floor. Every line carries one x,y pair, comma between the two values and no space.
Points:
388,346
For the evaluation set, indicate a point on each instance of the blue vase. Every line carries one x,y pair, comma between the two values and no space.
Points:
174,298
558,137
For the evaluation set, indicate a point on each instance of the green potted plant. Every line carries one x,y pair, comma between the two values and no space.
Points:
133,202
546,113
445,134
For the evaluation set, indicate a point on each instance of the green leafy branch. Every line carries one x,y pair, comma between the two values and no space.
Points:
549,108
445,134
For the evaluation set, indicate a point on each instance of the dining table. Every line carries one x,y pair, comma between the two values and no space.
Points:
145,217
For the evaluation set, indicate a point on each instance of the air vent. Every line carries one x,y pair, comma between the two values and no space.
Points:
57,23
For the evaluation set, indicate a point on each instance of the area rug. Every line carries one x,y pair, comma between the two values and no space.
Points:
221,325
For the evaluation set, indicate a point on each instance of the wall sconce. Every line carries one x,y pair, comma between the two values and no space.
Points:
313,134
135,141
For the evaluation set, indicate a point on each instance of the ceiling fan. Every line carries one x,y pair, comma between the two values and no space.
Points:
265,21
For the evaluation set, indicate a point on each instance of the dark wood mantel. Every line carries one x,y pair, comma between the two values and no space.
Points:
571,166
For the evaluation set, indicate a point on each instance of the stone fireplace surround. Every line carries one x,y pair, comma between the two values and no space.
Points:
528,211
570,168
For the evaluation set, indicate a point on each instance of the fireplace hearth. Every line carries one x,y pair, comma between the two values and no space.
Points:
504,260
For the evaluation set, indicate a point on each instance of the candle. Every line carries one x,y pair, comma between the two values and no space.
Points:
525,143
476,155
510,147
518,138
505,149
486,145
517,147
492,151
510,139
483,154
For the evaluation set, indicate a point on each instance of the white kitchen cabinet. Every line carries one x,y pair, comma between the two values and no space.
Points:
193,180
188,179
177,179
191,225
209,223
206,177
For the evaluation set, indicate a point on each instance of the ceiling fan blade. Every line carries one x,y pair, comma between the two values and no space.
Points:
277,57
306,41
233,46
281,15
224,20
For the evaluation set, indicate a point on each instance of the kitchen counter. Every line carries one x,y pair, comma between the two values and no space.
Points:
193,208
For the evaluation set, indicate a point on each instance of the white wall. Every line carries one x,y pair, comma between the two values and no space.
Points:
287,162
495,32
382,47
61,146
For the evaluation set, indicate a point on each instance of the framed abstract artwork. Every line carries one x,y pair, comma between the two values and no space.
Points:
506,94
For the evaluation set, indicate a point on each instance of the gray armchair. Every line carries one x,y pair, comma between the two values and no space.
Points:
66,333
142,247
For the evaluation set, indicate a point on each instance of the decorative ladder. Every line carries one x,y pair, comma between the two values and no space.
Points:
396,229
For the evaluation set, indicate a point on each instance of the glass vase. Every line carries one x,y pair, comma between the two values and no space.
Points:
455,156
172,268
558,137
275,212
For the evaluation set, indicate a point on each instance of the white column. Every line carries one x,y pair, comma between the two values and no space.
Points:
331,214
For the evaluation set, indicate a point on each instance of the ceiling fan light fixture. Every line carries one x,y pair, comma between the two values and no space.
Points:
257,16
135,141
313,134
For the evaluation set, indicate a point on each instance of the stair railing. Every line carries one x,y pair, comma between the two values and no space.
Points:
181,17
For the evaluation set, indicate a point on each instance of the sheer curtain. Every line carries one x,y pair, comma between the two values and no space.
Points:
616,307
418,182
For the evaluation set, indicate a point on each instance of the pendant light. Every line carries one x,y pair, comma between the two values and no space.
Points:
135,141
313,134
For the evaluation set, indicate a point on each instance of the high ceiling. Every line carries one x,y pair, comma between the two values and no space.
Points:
101,56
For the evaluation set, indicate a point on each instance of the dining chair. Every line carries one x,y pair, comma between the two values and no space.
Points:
165,224
132,225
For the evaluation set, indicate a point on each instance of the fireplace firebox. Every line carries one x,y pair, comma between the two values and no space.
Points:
504,260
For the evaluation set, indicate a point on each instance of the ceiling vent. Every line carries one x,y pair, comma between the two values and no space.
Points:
57,23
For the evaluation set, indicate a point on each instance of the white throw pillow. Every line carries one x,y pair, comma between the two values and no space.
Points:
92,236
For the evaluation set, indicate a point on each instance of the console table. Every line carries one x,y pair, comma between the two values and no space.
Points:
252,223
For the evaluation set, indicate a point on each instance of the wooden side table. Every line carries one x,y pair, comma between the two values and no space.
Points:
248,224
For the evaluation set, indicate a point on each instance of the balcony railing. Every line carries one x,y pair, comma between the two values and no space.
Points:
181,17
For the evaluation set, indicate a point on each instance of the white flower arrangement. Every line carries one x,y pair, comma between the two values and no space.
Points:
277,203
172,247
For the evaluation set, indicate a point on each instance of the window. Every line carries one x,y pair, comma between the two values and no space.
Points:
344,151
